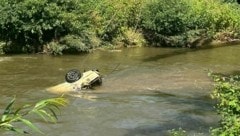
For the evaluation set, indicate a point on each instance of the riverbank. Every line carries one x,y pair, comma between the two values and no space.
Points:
58,27
200,44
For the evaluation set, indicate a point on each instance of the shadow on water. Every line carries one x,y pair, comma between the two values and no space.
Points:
194,115
182,121
166,55
179,52
233,72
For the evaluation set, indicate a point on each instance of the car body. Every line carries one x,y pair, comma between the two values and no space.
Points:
83,81
75,82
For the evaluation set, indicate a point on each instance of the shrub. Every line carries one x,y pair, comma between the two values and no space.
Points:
1,47
69,44
54,48
27,25
227,93
75,44
111,16
171,23
212,15
230,1
108,18
164,17
130,37
35,22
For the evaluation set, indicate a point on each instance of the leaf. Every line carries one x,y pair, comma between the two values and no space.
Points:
10,127
57,101
39,113
17,111
29,124
40,104
7,110
5,125
18,130
53,101
43,113
45,109
53,113
56,107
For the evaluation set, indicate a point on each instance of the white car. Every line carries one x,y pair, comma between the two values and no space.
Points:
82,81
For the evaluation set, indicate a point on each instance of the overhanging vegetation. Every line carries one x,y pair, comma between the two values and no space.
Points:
74,26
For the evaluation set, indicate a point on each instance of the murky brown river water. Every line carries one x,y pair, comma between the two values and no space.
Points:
145,91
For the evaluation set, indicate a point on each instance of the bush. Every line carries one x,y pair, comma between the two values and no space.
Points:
27,25
75,44
165,17
212,15
106,20
171,23
69,44
130,37
230,1
227,93
112,18
35,22
1,47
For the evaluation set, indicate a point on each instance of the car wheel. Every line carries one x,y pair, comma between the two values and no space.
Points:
100,81
72,75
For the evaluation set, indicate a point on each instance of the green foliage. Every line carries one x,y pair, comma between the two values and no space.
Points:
69,44
110,16
165,17
28,25
34,22
1,47
75,43
132,38
212,15
179,132
227,93
168,22
46,109
230,1
55,48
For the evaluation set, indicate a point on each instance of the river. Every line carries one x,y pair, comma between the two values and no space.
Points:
145,91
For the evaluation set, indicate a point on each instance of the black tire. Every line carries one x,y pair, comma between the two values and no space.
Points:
73,75
99,81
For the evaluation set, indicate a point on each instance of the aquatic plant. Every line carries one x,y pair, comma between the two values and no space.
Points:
46,109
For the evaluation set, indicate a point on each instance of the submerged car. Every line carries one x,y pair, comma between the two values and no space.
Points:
85,80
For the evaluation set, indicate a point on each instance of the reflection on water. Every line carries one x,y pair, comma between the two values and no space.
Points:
145,91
